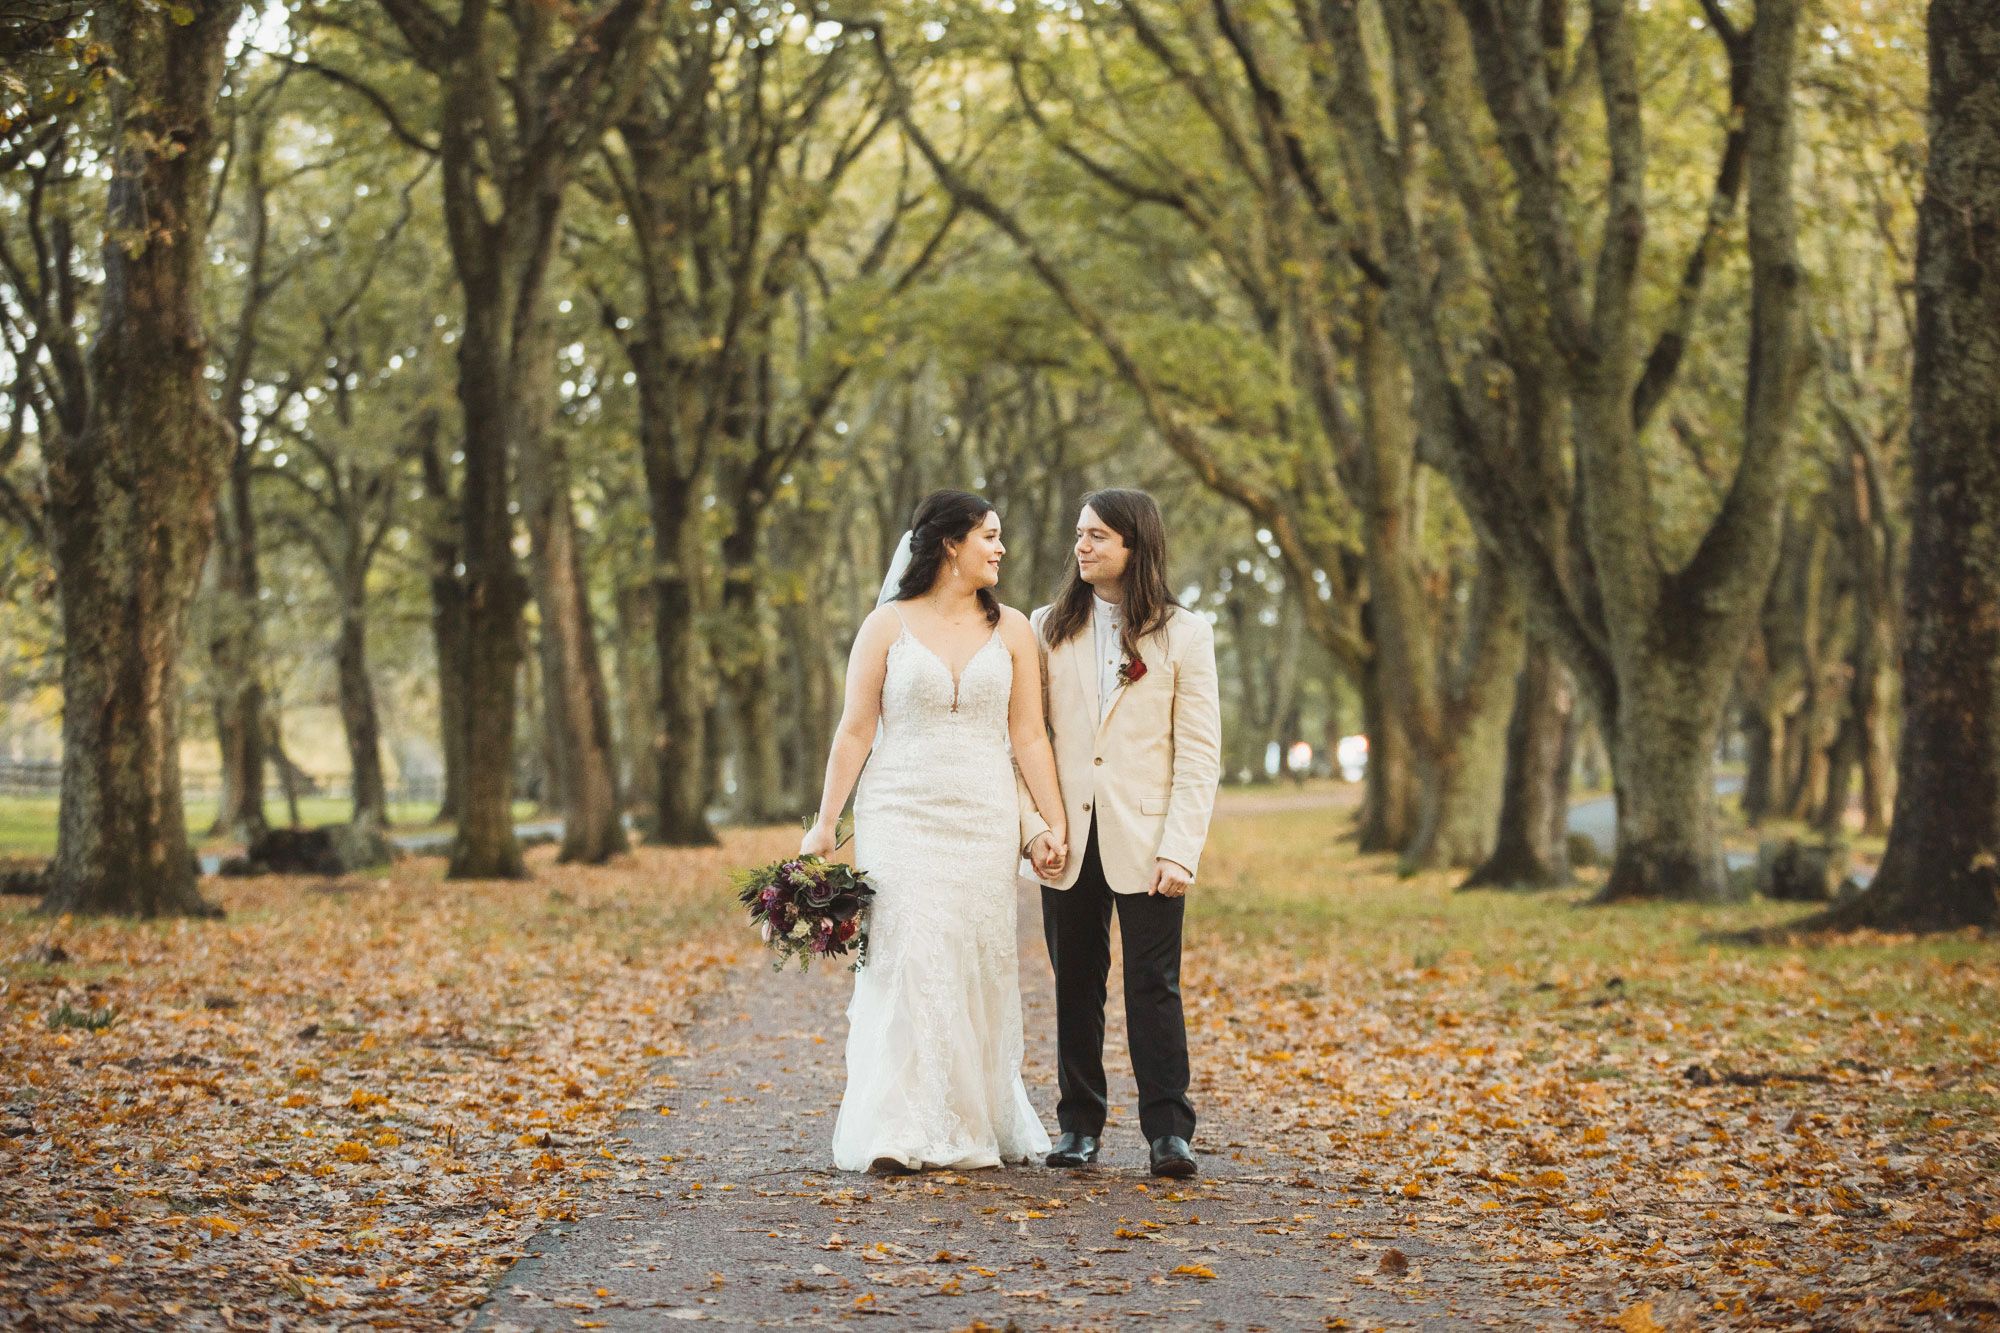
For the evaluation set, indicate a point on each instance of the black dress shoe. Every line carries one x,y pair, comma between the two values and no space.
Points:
1073,1150
890,1166
1171,1157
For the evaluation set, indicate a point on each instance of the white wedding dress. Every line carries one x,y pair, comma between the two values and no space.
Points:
934,1028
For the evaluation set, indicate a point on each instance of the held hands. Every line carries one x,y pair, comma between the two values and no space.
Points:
818,841
1170,879
1048,853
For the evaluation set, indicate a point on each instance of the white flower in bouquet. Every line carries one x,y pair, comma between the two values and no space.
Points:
801,930
767,932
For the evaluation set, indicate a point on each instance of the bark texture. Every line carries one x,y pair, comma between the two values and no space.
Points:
132,495
1529,849
1942,866
448,617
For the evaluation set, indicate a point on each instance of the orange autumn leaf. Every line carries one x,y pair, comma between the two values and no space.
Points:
1638,1319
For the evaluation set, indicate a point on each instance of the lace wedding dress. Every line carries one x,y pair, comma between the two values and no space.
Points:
934,1028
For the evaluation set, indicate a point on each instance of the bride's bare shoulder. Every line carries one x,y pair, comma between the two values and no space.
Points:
881,628
1015,628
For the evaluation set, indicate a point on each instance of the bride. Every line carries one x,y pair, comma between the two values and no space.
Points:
934,1028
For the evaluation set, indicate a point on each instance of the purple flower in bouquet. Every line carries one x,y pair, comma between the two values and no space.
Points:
806,908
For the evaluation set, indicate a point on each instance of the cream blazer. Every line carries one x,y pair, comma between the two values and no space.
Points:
1148,771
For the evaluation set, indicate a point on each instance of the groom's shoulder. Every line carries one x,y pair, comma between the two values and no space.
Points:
1187,624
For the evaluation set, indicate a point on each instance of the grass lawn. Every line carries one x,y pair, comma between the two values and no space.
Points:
1280,884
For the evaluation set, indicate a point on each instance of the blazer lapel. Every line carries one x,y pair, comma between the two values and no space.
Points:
1116,695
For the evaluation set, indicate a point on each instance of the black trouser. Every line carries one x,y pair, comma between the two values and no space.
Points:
1077,924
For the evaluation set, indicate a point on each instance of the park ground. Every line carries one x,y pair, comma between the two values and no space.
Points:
360,1102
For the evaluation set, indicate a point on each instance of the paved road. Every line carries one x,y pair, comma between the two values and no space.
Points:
750,1224
1598,818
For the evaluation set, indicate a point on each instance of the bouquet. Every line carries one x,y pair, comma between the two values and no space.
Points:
808,908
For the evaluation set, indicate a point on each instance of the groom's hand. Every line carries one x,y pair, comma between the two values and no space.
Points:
1170,879
1047,855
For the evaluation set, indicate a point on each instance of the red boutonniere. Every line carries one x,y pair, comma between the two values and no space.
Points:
1132,672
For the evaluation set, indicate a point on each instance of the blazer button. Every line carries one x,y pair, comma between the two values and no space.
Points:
1098,760
1086,807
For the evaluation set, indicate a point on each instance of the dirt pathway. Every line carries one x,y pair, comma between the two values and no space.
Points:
728,1209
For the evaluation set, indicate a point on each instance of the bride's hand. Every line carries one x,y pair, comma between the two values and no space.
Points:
1058,849
817,842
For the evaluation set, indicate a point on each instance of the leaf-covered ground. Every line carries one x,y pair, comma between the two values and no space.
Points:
350,1104
1632,1120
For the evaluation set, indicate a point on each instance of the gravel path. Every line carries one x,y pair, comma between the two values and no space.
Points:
728,1209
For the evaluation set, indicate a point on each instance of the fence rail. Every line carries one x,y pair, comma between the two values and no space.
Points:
43,777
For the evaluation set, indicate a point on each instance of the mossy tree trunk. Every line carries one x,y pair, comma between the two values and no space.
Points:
132,494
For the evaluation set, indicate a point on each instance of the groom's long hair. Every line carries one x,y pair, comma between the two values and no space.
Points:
1149,602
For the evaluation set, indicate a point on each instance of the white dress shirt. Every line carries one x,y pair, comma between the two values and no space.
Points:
1108,620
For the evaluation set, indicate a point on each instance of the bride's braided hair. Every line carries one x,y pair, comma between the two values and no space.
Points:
943,516
1149,602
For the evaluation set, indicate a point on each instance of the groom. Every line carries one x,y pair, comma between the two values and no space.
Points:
1131,702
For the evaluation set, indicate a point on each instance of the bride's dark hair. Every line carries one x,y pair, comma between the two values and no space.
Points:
943,516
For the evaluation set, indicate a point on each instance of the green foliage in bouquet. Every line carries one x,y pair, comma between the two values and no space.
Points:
808,908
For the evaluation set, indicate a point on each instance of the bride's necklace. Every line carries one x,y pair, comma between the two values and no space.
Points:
954,622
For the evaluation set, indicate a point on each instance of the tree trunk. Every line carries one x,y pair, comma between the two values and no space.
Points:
1280,729
683,775
747,673
575,703
502,179
760,795
1940,869
290,778
1529,845
1663,766
449,645
818,691
494,595
1843,757
1253,720
448,624
358,717
1764,746
131,497
1389,806
1877,778
236,656
638,697
683,746
1463,770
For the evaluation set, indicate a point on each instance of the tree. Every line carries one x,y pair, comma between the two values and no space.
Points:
1652,639
729,166
1942,866
1147,111
518,107
132,488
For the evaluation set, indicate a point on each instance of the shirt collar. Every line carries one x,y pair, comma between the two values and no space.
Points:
1107,610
